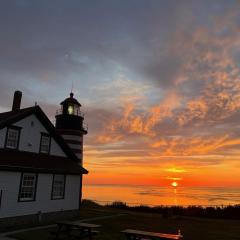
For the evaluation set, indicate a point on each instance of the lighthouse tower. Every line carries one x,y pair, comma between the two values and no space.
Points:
69,124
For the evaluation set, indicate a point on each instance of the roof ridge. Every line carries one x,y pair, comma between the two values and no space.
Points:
5,116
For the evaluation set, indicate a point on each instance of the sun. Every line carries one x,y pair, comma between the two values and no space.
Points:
174,184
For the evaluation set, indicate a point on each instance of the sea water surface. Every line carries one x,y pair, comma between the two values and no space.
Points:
154,195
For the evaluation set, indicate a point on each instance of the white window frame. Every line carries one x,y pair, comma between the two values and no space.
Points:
12,137
42,147
58,186
28,186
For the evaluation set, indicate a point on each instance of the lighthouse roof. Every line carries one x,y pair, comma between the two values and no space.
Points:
70,100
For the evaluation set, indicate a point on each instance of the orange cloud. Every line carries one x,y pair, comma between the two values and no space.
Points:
195,109
135,121
176,170
174,178
193,145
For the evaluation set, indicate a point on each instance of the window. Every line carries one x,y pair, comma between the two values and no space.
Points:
58,187
70,109
28,186
1,192
12,137
45,143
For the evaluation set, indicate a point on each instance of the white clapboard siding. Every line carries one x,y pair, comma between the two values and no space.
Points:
10,207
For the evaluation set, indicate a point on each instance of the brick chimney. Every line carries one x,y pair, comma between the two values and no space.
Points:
17,100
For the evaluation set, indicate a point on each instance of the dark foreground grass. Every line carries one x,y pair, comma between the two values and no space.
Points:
191,228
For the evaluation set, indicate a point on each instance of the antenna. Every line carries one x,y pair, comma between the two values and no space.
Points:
72,87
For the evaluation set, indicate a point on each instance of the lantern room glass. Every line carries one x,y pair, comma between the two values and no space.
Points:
73,109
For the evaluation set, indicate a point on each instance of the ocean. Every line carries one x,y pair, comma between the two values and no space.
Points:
154,195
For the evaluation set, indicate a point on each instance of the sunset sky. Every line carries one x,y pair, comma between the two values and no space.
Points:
159,82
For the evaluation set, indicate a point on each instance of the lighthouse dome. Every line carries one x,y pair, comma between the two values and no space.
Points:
71,100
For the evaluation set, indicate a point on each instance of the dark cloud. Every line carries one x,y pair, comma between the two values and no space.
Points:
52,40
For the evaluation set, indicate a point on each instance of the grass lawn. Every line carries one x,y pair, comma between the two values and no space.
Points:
191,228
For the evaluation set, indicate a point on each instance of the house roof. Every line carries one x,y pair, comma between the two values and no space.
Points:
12,115
9,118
28,162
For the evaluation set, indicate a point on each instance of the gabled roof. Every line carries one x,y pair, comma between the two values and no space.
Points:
34,162
9,118
12,115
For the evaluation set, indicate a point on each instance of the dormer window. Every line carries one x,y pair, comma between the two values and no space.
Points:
45,143
12,137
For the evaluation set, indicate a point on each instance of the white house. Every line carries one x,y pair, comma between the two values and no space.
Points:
40,165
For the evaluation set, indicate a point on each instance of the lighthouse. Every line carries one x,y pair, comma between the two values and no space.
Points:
70,125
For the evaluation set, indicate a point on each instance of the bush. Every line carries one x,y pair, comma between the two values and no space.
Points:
225,212
89,203
118,204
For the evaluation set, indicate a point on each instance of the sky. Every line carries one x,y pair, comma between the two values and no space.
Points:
159,82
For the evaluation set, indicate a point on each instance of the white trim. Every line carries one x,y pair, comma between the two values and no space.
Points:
75,146
72,137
